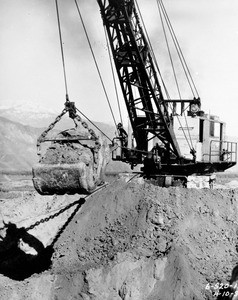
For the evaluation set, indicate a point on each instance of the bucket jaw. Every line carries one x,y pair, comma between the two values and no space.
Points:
50,179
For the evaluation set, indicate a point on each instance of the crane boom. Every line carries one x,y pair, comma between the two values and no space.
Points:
147,109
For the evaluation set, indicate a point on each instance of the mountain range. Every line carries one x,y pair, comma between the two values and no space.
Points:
17,145
19,129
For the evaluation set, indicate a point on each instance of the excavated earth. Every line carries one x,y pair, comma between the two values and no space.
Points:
132,240
71,166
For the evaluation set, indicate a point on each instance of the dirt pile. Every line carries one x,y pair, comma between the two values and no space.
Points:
134,240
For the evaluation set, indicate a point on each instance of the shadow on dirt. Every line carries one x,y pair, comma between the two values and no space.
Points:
22,254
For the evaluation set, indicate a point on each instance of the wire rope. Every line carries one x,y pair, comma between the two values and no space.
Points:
93,124
113,75
171,60
95,61
158,69
64,70
176,44
170,55
62,50
151,49
179,48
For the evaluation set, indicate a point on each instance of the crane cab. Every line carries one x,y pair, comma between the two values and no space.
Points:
207,134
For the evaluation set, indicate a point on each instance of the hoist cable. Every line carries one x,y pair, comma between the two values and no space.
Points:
168,48
153,54
183,61
158,69
164,86
64,69
62,51
175,41
93,124
113,75
151,49
95,61
160,12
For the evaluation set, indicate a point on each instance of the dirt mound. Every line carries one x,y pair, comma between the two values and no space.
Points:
134,240
178,239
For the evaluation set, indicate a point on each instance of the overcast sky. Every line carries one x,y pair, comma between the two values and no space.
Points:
31,69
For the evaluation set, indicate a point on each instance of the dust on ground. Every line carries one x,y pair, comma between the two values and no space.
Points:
132,240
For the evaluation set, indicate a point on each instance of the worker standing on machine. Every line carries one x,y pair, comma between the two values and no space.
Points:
157,152
123,135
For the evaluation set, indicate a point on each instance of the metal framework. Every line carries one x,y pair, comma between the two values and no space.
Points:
146,106
148,111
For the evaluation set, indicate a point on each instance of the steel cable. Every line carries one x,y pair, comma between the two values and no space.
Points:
62,51
171,60
170,55
95,60
113,75
93,124
157,66
179,50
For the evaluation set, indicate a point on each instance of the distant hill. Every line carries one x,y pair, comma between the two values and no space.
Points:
27,114
21,125
40,117
18,144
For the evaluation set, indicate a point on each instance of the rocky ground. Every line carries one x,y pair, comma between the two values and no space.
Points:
131,240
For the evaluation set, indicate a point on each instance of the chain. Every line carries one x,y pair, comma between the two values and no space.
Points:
97,146
70,107
62,210
80,201
41,138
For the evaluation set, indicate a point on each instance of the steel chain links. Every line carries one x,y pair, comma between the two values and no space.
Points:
41,138
43,220
97,146
62,210
69,107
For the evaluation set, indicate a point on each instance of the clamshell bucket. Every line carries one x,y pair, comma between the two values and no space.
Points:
49,179
73,163
70,168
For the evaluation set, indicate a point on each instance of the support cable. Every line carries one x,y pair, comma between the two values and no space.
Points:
153,54
179,48
62,51
151,49
93,124
64,68
176,44
168,48
113,75
95,61
171,60
157,66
